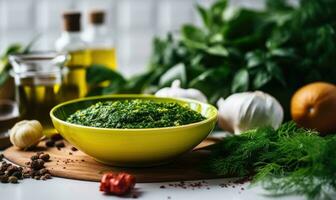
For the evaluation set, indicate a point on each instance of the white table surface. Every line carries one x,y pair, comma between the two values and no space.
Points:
64,189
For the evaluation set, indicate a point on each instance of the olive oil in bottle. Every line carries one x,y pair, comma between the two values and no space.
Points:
74,80
104,56
74,83
101,45
36,101
38,79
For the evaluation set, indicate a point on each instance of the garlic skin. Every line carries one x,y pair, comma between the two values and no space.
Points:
176,91
248,110
26,133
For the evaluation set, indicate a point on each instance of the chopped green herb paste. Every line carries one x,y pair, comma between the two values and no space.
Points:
135,114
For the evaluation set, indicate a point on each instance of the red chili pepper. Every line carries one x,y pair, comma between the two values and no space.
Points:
118,184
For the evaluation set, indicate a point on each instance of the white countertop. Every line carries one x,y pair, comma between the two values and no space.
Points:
64,189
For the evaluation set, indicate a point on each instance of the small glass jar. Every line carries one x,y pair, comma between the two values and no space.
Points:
38,80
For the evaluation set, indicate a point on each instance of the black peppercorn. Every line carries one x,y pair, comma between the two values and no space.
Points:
43,171
17,174
50,143
47,176
74,149
13,179
11,169
1,157
45,157
59,144
4,166
41,162
34,157
56,137
4,179
37,164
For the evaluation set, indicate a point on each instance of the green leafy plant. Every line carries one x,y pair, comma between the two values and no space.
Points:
289,160
4,61
276,50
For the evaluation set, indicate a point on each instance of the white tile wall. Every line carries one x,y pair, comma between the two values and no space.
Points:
132,23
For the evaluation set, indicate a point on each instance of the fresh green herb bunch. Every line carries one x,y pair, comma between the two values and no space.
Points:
135,114
289,160
276,50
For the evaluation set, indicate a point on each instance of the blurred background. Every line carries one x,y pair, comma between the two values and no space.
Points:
131,23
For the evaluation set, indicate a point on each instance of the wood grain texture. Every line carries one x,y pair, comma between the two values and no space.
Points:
77,165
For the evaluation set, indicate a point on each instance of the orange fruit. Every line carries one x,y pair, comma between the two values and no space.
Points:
314,106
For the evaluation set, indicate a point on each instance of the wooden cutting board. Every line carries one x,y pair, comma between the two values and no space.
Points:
77,165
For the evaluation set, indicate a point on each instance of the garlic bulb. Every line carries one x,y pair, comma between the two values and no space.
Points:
248,110
26,133
176,91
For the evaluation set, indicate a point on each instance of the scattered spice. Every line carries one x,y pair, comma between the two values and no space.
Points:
1,157
13,179
135,113
204,184
56,137
37,164
34,157
49,143
117,184
4,179
45,157
74,149
12,174
59,144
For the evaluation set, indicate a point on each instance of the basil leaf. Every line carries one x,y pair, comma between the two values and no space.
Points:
205,16
240,81
261,79
282,52
174,73
99,73
276,72
193,37
217,50
255,58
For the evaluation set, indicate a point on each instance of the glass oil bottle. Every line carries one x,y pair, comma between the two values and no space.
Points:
38,79
74,83
100,43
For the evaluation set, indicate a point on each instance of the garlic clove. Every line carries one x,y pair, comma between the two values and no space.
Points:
26,133
176,91
248,110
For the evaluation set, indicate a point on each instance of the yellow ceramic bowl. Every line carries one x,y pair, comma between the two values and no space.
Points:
133,147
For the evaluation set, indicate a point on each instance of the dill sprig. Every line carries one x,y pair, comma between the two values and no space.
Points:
289,160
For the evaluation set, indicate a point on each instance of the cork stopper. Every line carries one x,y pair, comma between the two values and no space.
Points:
71,21
97,17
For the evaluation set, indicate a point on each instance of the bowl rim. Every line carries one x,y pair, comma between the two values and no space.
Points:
207,120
